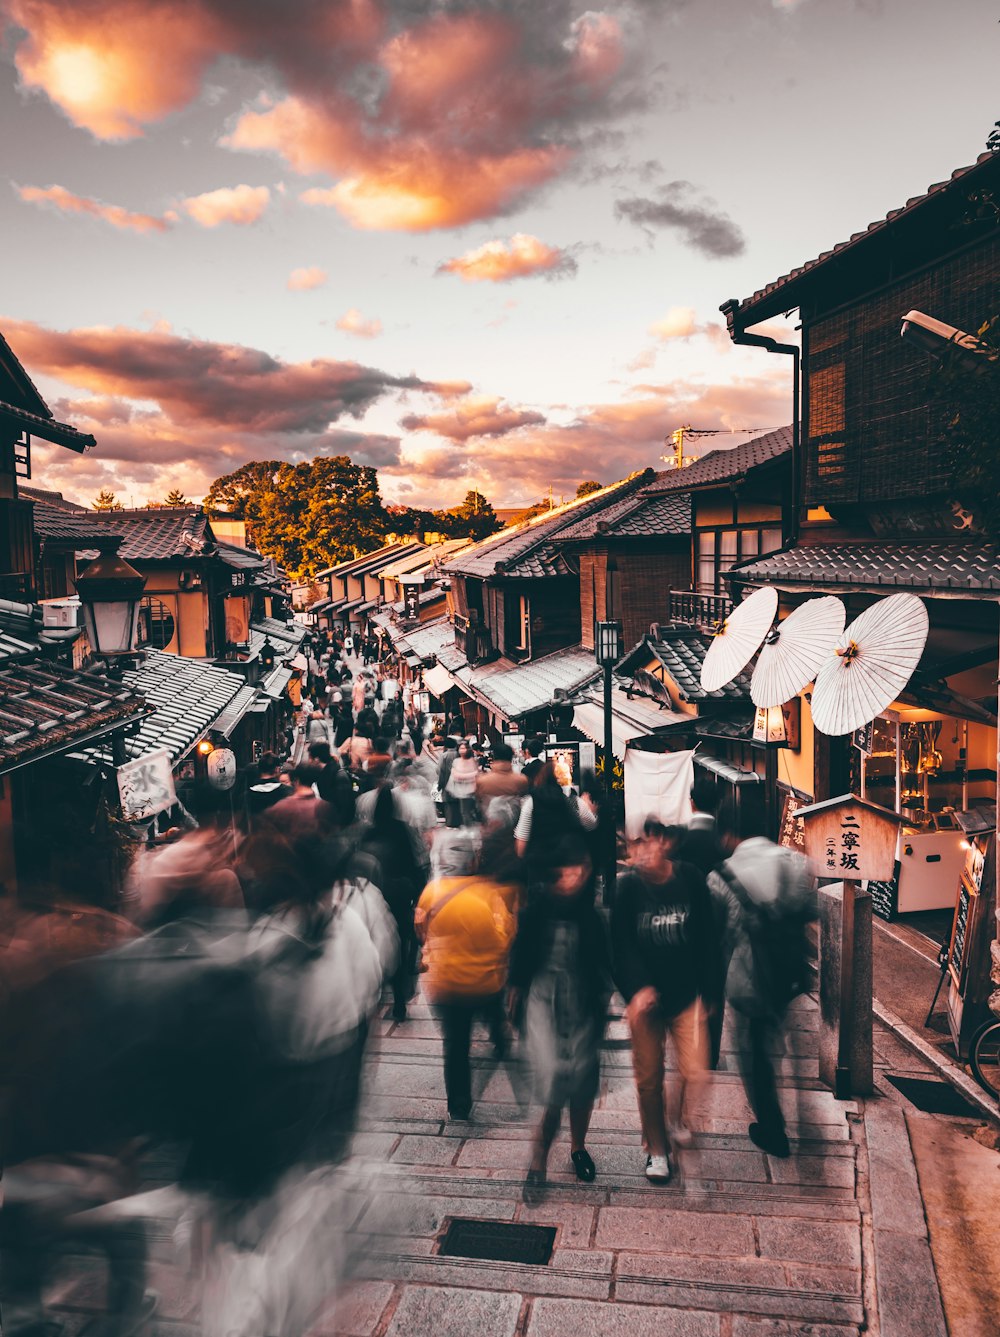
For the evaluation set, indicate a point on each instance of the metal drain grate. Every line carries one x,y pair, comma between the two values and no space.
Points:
933,1097
498,1241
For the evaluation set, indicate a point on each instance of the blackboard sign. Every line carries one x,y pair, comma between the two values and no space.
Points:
790,833
885,897
961,926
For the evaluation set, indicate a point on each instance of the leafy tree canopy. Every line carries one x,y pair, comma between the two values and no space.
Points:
175,498
106,501
586,488
308,515
474,519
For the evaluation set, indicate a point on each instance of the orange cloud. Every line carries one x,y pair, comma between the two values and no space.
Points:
499,261
473,416
475,109
228,204
64,200
116,67
678,323
301,280
353,322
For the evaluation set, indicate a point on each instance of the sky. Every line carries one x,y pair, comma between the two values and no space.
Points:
476,243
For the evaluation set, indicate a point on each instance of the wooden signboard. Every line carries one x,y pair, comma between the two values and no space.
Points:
849,838
790,832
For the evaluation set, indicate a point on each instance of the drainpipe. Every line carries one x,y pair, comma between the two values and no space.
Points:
739,335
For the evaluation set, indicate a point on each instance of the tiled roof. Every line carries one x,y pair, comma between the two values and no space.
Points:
186,697
163,534
521,689
782,294
681,652
49,708
56,525
14,647
722,466
525,549
958,570
59,433
240,559
290,633
641,516
51,498
243,701
26,392
427,640
370,560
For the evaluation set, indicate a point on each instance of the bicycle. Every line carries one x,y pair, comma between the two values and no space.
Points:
984,1057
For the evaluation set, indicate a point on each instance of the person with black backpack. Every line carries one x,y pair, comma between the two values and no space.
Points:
769,894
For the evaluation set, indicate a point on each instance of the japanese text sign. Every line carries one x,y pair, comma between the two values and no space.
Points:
849,839
146,786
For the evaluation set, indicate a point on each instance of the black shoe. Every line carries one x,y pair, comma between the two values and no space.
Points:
461,1114
584,1166
399,1013
775,1144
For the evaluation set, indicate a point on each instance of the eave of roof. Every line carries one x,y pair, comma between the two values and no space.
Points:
59,433
784,293
939,570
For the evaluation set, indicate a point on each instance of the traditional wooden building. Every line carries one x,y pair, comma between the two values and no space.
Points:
877,512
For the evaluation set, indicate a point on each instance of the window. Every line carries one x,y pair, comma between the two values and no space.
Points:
156,624
523,622
720,549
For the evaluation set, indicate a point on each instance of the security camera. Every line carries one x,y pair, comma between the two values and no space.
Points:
936,338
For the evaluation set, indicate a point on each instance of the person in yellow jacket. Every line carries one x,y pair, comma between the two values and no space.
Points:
465,925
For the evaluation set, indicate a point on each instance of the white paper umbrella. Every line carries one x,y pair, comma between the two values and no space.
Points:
738,638
794,650
871,665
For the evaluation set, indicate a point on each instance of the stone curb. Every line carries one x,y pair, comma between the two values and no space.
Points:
950,1071
909,1299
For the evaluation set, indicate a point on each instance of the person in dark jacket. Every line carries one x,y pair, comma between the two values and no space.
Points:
401,882
333,784
268,788
701,845
666,964
560,982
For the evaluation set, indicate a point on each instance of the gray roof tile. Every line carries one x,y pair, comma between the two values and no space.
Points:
722,466
970,569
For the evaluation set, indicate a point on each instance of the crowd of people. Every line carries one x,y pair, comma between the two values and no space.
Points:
228,1017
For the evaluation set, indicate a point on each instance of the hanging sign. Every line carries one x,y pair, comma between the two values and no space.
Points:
220,767
864,738
146,786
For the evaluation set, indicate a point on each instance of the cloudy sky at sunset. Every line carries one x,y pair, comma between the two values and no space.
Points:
475,243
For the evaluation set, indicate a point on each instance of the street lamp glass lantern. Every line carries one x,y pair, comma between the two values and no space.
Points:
608,642
110,591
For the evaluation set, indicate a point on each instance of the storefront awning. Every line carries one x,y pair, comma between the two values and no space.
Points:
630,719
437,680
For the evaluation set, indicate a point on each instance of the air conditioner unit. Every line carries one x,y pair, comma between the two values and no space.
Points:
61,613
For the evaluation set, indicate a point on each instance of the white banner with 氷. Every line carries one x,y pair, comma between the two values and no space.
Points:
657,785
146,786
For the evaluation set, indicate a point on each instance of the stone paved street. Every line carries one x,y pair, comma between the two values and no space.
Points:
740,1244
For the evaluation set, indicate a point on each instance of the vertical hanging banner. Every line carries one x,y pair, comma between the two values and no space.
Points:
146,786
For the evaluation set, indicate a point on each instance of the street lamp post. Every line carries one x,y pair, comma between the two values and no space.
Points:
110,591
608,651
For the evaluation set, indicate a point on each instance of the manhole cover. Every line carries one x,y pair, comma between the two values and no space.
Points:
933,1097
498,1241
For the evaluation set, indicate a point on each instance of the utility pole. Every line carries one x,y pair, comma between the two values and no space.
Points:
678,460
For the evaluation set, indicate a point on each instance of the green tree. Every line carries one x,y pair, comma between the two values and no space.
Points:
968,388
106,501
306,515
585,489
474,519
175,498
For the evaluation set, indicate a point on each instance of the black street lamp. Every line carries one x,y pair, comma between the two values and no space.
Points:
608,651
267,656
110,591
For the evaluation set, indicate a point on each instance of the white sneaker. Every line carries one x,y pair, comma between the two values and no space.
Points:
658,1169
681,1136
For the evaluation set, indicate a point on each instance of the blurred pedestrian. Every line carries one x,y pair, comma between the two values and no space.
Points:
401,881
467,930
771,895
666,954
560,983
462,780
501,780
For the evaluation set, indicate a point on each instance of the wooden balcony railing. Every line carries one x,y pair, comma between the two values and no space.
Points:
700,610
